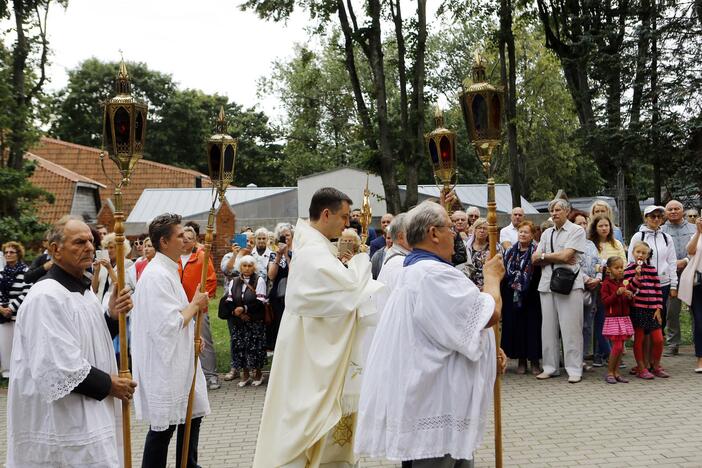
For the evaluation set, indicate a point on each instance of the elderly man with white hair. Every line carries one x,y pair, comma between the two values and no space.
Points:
428,380
681,232
559,252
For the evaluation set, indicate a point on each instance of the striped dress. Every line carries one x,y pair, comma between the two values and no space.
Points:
648,296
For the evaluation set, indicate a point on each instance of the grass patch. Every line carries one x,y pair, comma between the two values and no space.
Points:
220,334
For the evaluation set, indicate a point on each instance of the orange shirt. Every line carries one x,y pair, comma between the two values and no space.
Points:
191,275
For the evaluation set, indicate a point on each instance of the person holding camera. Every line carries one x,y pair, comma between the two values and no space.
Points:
278,270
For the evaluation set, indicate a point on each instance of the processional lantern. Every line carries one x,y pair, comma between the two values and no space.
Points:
482,105
123,136
124,126
221,157
441,148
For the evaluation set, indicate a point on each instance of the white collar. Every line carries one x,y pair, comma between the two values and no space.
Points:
166,262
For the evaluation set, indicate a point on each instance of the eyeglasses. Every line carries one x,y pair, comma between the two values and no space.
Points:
10,252
449,226
655,216
138,242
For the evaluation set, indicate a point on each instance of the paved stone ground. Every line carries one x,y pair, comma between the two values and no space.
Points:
545,423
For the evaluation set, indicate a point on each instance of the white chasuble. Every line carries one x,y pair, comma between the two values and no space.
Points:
162,349
302,423
430,370
59,335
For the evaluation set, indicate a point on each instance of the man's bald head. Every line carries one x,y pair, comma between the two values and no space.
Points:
674,211
517,216
460,220
71,245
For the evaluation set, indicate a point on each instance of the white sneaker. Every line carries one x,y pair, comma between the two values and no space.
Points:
574,379
213,384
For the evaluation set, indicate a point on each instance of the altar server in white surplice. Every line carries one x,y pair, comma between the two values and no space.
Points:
309,413
63,405
393,261
431,367
163,332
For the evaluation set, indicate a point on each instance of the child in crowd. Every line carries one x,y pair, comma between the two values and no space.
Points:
646,314
617,295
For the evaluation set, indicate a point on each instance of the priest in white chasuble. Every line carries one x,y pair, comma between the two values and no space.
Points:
309,412
64,398
163,333
431,367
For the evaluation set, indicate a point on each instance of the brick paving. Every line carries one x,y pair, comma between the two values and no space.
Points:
545,423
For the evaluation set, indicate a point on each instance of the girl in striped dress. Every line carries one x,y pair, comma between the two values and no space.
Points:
617,295
646,313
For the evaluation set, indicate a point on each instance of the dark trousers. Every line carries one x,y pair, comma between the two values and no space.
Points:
156,446
696,309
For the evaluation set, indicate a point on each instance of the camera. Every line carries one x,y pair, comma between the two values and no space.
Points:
282,240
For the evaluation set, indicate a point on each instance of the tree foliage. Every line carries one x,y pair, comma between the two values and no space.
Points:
179,122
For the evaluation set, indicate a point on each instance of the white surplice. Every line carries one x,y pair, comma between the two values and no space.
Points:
389,275
430,370
59,335
162,349
313,376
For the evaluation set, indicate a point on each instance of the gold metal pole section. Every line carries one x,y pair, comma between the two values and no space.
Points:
123,345
485,154
366,215
198,340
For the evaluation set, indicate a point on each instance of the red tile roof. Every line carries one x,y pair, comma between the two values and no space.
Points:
58,181
85,161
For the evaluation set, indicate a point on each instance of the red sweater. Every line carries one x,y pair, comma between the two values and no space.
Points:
616,305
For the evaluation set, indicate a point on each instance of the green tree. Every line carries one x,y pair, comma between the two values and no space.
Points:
393,140
179,122
15,187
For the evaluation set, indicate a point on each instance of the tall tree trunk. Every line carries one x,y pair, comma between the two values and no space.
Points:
655,108
387,166
18,135
417,107
508,71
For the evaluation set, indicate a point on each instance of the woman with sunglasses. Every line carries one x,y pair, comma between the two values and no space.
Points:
663,256
13,289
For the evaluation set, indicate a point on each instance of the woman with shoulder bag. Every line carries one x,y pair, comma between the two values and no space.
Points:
245,300
690,289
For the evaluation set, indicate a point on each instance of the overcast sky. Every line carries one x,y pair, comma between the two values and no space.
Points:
206,44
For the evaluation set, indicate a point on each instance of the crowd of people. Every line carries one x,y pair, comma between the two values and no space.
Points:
413,304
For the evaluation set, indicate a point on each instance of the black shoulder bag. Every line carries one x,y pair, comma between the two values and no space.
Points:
562,279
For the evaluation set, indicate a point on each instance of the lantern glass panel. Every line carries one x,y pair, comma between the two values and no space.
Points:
480,115
108,131
122,129
215,162
229,156
495,118
433,153
139,128
445,147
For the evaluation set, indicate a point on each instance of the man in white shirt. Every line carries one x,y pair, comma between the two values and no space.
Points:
393,261
63,407
428,380
509,234
163,328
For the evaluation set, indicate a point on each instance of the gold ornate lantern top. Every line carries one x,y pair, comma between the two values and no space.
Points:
482,105
441,147
221,155
124,125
